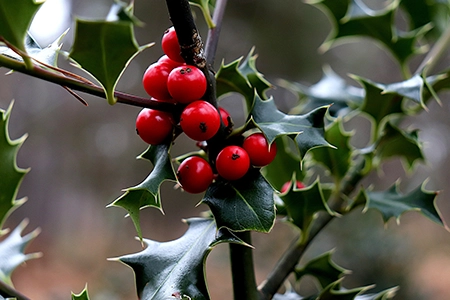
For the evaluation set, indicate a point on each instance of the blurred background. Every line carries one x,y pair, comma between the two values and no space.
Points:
82,157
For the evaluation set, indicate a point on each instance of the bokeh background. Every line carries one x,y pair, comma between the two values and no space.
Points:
81,157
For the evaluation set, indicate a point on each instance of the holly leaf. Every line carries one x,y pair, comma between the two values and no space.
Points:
330,90
392,203
396,142
336,160
81,296
15,19
104,49
10,173
12,251
303,204
323,268
359,20
175,269
242,205
335,291
121,11
285,164
378,105
307,130
256,79
147,193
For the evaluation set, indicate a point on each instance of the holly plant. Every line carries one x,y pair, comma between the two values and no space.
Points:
299,167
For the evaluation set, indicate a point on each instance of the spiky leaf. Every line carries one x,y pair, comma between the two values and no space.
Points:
323,268
256,79
104,49
307,129
330,90
337,160
396,142
353,18
242,205
147,192
176,268
15,19
12,251
303,204
121,11
392,203
81,296
11,175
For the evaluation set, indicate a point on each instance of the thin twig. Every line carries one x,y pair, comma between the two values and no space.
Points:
214,33
7,291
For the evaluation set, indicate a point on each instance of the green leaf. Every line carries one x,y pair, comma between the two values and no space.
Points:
243,78
176,269
336,160
121,11
377,104
256,79
396,142
303,204
286,163
334,291
307,130
147,193
11,175
242,205
12,251
330,90
392,203
104,49
15,19
323,268
360,20
81,296
204,7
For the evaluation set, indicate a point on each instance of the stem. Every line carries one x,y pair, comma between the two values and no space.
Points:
214,33
7,291
436,52
75,84
288,261
242,269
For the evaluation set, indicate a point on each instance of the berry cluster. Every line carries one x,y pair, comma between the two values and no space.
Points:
171,79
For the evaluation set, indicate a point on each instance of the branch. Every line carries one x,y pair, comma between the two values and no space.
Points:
7,291
214,33
286,264
82,86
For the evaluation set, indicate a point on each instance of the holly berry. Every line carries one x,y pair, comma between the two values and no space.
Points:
186,84
195,174
258,149
155,80
200,120
286,186
172,64
154,126
170,45
232,162
225,115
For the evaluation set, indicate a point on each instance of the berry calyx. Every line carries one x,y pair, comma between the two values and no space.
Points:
155,80
170,45
258,149
195,174
154,126
186,83
232,162
200,120
287,185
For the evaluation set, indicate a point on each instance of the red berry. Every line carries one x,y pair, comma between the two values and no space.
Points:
170,45
287,185
225,115
186,84
154,126
169,62
232,162
155,81
200,120
258,149
195,174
